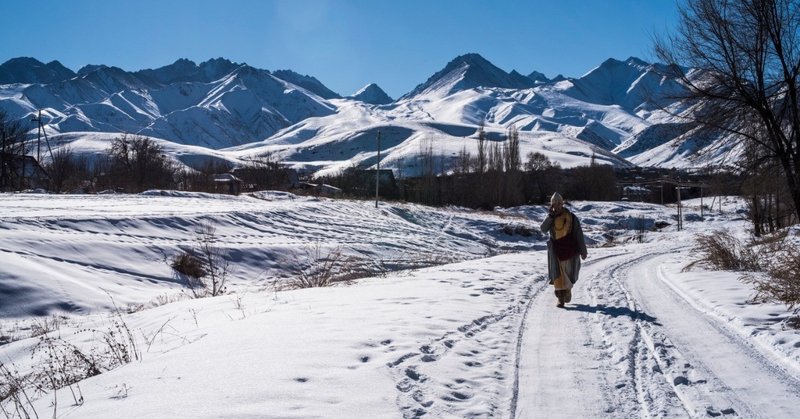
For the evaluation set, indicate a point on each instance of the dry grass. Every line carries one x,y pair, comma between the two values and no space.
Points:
723,251
782,283
771,262
61,364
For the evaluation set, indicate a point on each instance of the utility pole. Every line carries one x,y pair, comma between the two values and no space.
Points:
378,170
701,203
38,121
680,210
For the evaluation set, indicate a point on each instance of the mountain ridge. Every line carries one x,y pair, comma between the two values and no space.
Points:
218,106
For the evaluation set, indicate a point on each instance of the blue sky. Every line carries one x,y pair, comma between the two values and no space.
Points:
344,43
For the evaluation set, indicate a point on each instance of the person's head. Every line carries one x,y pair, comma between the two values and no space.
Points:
557,202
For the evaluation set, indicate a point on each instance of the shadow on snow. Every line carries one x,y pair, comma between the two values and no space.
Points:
614,312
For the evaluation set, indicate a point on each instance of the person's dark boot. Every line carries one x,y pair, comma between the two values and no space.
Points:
567,296
560,295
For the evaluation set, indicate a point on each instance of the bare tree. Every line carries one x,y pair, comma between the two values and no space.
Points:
12,146
513,160
481,159
67,171
746,60
139,163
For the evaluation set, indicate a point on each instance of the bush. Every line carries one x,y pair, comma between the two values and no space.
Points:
778,259
204,268
321,271
783,283
723,251
188,264
326,269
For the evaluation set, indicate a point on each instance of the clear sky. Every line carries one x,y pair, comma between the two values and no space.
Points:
343,43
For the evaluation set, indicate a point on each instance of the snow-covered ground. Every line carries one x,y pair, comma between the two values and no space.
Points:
479,337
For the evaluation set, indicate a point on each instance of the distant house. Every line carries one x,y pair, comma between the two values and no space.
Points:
227,183
635,193
21,172
261,178
320,189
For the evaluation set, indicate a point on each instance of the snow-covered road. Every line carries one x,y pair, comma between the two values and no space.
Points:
631,344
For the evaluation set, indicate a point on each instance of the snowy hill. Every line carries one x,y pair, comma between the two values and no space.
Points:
616,111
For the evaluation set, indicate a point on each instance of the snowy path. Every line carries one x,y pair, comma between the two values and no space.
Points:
630,345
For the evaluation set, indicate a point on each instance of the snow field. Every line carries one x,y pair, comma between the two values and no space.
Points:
477,338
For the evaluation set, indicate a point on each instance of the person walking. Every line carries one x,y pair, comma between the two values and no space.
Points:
566,244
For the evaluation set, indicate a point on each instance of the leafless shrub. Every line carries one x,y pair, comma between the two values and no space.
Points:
773,266
164,299
320,271
134,308
782,283
188,264
47,325
239,305
771,239
723,251
149,340
204,268
14,398
324,268
59,364
62,364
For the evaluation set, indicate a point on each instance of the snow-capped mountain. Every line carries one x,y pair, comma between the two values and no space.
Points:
372,93
620,113
466,72
216,104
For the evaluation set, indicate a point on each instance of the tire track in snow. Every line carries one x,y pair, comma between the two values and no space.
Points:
541,285
708,372
672,378
554,362
655,395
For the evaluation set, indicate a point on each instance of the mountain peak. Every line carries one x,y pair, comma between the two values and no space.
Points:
472,58
372,94
186,70
30,70
470,71
636,61
538,77
88,68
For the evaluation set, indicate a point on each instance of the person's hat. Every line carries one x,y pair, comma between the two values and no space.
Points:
556,199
